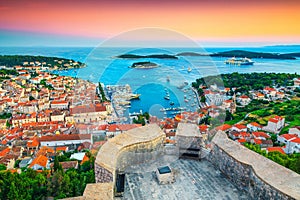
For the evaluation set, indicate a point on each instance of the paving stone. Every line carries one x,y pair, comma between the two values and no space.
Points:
194,180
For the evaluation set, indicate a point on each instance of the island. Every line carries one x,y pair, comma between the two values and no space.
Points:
47,63
144,65
192,54
158,56
243,54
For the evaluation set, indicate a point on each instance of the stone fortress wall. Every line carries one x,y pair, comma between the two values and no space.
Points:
249,171
259,176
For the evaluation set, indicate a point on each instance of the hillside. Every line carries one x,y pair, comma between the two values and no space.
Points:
13,60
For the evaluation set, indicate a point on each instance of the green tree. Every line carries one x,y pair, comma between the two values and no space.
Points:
2,167
13,192
31,98
203,99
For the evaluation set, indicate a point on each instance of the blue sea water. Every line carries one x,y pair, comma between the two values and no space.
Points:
152,84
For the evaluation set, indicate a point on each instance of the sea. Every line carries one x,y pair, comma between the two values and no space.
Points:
172,77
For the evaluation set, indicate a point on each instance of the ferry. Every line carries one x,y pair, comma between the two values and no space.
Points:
239,61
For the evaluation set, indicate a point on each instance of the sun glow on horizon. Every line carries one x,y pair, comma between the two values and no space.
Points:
235,21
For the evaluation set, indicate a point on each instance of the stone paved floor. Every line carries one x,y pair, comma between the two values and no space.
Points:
194,180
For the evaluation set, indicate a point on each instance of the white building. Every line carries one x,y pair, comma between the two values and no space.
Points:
244,100
65,140
239,128
61,105
295,130
275,124
253,126
291,141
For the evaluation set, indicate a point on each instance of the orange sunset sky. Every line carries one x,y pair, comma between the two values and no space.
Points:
209,22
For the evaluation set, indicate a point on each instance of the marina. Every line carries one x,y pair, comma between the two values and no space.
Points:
121,97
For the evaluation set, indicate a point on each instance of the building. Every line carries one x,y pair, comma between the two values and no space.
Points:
40,163
239,128
90,113
253,126
61,105
295,130
296,82
244,100
65,140
271,92
291,141
260,135
275,124
224,127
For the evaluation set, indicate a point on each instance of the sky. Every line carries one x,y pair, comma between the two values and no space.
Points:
209,22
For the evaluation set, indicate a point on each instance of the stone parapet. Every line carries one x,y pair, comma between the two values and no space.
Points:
261,177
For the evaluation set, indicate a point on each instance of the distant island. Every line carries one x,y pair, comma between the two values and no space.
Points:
191,54
50,63
158,56
144,65
243,54
249,54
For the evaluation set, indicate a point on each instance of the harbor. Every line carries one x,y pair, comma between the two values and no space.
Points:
121,97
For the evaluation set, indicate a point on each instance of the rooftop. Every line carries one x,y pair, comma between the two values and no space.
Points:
193,179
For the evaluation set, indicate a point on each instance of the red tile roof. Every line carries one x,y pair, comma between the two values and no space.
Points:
59,102
256,124
4,151
242,140
40,160
296,140
244,97
65,137
203,128
277,149
260,134
33,143
288,136
63,148
257,141
240,126
269,89
85,159
224,127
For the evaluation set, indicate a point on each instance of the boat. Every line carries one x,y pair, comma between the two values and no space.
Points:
134,96
239,61
185,83
189,69
167,97
168,79
172,109
172,103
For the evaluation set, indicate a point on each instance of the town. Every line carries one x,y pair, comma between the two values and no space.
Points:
45,116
